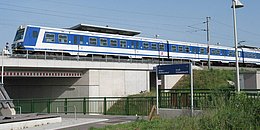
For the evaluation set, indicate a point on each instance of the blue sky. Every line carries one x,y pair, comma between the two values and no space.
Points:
170,19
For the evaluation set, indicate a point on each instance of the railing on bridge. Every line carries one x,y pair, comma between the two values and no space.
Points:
99,59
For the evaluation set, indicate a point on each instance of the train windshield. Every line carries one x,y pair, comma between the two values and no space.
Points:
19,34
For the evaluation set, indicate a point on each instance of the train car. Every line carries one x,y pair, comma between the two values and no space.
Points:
85,40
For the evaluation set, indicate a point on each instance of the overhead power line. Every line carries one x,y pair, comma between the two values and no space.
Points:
80,15
230,26
74,17
122,11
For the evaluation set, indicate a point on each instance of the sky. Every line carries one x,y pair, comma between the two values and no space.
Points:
179,20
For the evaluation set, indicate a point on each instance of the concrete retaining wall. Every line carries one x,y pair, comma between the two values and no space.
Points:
172,113
117,82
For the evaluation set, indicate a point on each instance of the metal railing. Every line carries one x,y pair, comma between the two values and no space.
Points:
203,98
89,105
168,98
66,107
98,59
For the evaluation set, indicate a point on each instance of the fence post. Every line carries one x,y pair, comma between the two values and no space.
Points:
32,106
66,106
179,100
105,106
127,106
152,101
84,106
49,106
160,97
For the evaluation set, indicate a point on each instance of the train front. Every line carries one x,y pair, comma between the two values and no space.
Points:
18,43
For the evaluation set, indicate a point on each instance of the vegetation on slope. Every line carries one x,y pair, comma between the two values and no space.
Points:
211,79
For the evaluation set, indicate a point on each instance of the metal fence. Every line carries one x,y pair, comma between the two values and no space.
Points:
203,98
168,98
88,105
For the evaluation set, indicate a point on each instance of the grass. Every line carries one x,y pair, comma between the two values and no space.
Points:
210,79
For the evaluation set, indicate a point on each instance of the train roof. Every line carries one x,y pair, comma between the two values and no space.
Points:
104,29
249,47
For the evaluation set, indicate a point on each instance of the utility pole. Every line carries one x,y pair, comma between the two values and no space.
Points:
208,36
208,41
2,72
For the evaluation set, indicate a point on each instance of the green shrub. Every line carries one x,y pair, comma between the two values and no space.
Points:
211,79
238,112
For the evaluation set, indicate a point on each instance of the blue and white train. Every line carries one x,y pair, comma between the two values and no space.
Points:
40,40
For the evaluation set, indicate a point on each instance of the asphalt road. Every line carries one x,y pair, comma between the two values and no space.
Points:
111,120
84,122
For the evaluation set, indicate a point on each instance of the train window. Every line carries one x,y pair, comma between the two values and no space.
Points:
132,45
49,37
113,43
146,45
231,53
123,43
103,42
253,55
223,53
187,49
35,34
137,45
19,34
180,48
154,46
174,49
215,52
81,40
202,50
218,52
258,56
195,50
93,41
249,55
63,38
161,47
75,40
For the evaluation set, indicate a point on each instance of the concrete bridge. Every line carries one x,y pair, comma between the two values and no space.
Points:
55,78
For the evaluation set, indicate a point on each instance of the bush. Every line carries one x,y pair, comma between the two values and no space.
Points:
238,112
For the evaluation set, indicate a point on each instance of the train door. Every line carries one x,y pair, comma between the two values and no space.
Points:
32,36
133,47
78,41
195,51
240,55
137,49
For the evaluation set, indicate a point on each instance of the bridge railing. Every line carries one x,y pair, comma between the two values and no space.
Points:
95,58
